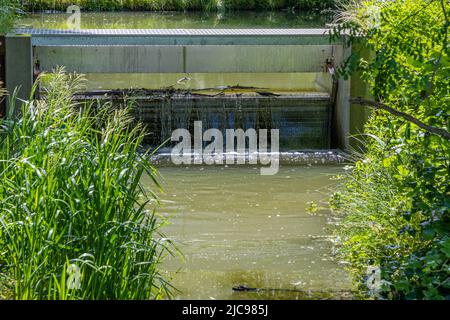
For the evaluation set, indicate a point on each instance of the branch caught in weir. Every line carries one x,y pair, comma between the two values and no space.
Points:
378,105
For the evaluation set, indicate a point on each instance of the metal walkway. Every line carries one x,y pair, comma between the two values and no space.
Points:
178,36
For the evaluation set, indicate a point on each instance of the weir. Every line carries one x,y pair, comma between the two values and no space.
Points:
228,78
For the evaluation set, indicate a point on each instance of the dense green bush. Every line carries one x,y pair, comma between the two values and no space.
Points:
396,199
72,209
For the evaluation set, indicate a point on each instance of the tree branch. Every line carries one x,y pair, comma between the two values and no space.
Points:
378,105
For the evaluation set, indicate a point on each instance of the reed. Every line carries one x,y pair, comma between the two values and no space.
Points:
74,222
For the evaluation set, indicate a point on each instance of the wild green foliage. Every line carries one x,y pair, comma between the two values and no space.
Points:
396,200
73,217
179,5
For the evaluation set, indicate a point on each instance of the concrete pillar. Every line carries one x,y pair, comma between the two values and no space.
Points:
2,75
19,65
182,59
359,114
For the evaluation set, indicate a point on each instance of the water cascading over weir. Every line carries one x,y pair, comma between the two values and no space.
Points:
226,78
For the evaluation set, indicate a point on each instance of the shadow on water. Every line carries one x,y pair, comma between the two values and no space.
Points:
277,292
236,227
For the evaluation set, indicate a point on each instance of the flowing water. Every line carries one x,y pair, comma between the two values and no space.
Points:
236,227
303,123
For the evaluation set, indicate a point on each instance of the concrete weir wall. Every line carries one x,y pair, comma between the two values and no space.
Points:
19,65
181,51
186,59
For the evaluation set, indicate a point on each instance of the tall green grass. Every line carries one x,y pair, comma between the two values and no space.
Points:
179,5
73,218
10,10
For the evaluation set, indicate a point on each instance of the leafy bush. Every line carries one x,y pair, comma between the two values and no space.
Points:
396,199
73,223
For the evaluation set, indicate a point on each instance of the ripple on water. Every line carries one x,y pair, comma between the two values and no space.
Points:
230,240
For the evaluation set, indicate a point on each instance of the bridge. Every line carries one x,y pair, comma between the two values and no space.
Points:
186,51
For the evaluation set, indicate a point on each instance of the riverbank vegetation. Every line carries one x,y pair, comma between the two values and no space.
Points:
396,199
74,222
178,5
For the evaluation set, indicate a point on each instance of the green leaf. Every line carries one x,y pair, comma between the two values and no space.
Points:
445,247
402,170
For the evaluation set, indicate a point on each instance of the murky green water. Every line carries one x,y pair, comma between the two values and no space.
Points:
236,227
170,20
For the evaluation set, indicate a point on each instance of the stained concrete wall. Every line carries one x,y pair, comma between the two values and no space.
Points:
359,114
186,59
19,66
299,58
112,59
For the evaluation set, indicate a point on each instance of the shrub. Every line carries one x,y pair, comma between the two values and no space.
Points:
73,218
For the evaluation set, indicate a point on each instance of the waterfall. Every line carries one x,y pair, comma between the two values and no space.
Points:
303,121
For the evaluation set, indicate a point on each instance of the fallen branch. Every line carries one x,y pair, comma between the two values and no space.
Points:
378,105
